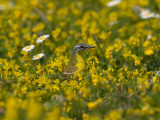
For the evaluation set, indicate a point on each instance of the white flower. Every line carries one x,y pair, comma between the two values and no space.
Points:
38,56
113,3
28,48
157,15
9,6
42,38
2,7
149,37
144,13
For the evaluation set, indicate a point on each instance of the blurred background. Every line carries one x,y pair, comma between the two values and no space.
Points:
121,80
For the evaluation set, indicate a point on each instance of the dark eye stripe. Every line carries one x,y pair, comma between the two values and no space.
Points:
83,46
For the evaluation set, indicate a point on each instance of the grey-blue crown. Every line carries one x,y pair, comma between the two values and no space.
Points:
80,47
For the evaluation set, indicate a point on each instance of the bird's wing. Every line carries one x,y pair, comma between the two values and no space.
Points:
71,67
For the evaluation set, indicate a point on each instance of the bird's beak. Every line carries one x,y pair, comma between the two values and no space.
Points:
92,46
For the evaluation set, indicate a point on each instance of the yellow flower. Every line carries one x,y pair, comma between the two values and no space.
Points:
12,108
12,35
85,92
113,16
134,41
130,91
154,38
148,52
56,33
114,115
108,54
34,111
146,43
93,105
56,112
94,117
85,116
91,41
94,28
24,90
40,26
18,13
147,110
155,79
34,2
103,35
156,87
71,95
143,83
2,104
137,62
55,88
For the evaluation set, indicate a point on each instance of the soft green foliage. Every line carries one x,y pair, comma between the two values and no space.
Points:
121,79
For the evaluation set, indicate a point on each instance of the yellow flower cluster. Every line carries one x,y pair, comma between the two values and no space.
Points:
119,79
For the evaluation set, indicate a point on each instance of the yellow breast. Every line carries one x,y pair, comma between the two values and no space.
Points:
80,65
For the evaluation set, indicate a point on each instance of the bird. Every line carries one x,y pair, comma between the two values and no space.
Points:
76,64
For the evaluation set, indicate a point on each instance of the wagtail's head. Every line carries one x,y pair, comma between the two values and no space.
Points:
81,47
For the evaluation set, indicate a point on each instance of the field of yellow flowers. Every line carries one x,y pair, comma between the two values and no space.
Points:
121,79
